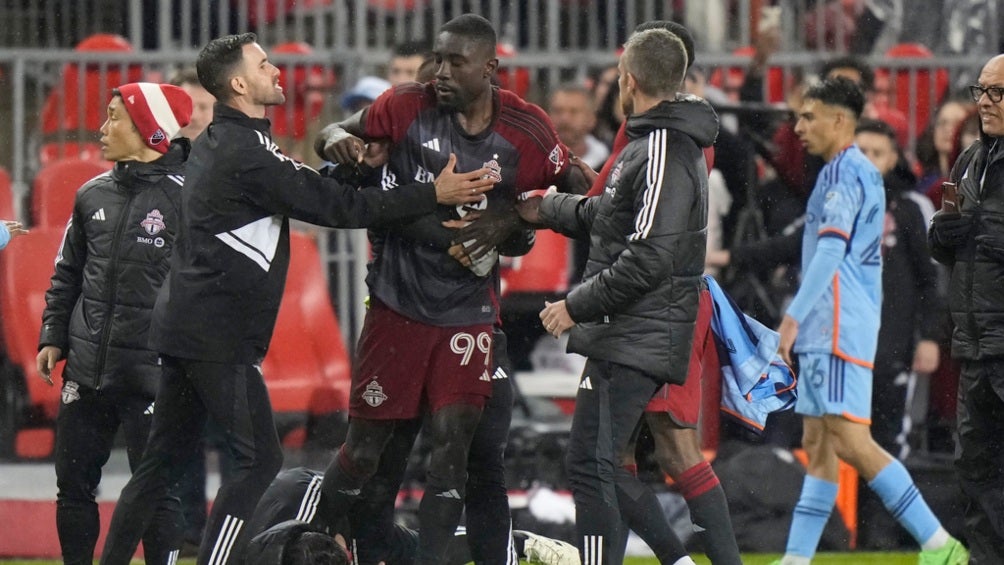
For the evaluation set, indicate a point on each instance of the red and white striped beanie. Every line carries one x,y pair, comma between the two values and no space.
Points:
159,111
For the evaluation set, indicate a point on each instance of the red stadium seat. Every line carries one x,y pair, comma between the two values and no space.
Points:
544,270
306,87
263,12
6,197
54,151
516,79
56,186
899,88
730,79
307,367
26,267
75,109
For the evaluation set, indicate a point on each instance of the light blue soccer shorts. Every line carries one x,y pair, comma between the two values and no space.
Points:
829,385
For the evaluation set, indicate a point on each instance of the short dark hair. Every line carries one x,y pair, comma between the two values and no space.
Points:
676,29
868,125
185,75
313,548
474,27
217,61
851,62
655,57
839,91
411,49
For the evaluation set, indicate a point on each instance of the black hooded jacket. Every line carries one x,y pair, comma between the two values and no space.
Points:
111,264
975,292
638,300
221,298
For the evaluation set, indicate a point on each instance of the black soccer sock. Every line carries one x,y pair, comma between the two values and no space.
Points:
709,511
340,488
641,512
438,516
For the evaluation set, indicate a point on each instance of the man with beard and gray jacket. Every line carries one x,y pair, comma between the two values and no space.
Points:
633,315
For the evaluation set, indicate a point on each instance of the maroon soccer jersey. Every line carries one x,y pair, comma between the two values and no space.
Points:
523,152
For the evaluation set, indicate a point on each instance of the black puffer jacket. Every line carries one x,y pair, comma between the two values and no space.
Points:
110,267
976,286
638,300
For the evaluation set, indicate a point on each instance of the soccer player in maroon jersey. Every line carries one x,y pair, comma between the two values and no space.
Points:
426,342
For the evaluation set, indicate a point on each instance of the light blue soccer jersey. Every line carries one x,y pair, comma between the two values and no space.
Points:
848,202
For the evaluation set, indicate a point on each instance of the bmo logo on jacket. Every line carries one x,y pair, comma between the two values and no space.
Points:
153,224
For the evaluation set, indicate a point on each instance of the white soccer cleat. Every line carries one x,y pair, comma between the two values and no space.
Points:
547,551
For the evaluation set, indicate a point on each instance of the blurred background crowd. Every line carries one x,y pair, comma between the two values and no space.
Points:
59,60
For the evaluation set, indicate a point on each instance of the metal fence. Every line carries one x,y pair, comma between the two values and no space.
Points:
535,25
51,95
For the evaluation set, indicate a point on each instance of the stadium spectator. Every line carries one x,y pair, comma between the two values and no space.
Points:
202,101
406,61
214,318
835,319
971,243
110,266
363,93
937,150
570,107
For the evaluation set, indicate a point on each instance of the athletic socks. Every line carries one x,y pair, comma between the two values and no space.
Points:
811,513
438,516
709,510
642,513
900,496
341,487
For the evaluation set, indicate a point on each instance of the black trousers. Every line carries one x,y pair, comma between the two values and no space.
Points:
610,401
486,502
85,429
980,457
235,397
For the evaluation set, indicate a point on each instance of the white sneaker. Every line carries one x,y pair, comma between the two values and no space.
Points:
548,551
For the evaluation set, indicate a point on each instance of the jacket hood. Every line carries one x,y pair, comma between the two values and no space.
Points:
171,163
687,114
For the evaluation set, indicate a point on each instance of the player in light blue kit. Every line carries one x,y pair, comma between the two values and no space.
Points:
835,318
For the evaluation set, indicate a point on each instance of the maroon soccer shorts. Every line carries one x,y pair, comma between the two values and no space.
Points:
405,367
683,402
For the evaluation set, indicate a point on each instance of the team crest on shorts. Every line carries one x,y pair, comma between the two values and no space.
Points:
70,392
374,395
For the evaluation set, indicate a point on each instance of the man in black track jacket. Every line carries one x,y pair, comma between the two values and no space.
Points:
113,259
214,317
633,315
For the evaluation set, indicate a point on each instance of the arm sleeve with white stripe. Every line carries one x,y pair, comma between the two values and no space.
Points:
290,188
666,190
66,285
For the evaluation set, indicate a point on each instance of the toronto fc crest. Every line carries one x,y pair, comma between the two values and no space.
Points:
154,222
70,392
373,395
494,169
